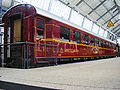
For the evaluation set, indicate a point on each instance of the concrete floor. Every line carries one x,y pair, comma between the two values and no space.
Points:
101,74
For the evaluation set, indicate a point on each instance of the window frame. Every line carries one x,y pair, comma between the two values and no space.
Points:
41,29
64,35
76,39
92,41
85,39
97,42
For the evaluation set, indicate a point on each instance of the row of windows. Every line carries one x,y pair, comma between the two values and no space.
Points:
86,39
77,36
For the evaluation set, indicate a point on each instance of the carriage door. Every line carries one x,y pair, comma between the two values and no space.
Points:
15,36
17,31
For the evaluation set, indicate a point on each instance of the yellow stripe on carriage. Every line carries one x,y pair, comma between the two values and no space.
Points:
60,41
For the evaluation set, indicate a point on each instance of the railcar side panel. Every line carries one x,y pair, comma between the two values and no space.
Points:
70,42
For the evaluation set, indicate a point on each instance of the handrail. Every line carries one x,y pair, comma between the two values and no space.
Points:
28,43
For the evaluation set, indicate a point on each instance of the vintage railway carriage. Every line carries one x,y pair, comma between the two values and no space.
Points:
25,23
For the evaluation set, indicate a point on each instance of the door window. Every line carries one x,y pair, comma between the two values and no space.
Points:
40,28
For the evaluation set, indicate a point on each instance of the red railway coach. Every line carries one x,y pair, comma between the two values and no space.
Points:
48,38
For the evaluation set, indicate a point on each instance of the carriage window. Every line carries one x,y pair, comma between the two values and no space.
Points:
40,28
76,36
109,45
85,39
105,44
97,42
102,45
113,46
40,24
92,40
64,33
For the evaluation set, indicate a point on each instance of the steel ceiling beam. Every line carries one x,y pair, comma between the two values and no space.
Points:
96,7
64,3
115,2
116,21
115,10
12,3
117,30
107,10
0,7
79,2
118,34
111,18
106,13
115,27
92,8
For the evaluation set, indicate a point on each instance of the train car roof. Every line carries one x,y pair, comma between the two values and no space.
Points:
62,20
52,16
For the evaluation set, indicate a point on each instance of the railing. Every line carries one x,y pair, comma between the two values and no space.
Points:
22,54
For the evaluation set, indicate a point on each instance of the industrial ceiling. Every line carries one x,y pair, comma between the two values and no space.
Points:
99,11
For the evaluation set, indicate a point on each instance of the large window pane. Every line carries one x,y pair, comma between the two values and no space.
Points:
101,31
45,4
76,18
95,28
105,34
87,24
60,9
108,35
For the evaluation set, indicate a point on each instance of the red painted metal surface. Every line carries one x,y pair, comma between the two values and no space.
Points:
52,36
